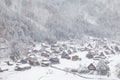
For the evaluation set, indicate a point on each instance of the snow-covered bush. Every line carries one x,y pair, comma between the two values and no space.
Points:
102,68
82,69
118,70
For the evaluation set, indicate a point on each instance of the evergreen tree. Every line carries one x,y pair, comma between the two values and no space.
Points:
102,68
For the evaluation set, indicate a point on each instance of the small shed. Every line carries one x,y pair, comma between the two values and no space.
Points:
75,58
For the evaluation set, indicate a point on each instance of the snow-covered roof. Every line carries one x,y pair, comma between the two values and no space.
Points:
23,65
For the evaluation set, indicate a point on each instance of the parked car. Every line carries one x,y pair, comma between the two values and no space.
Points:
2,69
22,67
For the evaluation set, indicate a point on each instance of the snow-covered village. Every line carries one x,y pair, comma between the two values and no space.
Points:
59,39
90,59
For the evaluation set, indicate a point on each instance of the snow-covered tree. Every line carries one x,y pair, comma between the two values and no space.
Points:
102,68
118,70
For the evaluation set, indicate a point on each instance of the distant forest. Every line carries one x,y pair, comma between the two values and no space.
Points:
23,22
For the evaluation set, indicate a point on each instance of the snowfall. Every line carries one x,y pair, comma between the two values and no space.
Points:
52,73
42,73
58,71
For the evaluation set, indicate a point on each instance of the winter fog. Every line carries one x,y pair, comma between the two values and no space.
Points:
59,39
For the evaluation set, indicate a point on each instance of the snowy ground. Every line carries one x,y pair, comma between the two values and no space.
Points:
64,63
114,61
49,73
39,73
42,73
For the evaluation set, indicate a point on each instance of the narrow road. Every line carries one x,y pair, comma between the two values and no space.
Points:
77,74
70,72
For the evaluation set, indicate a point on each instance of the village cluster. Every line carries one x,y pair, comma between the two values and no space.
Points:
92,56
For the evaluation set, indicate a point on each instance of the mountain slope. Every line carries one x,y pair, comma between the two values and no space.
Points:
63,19
24,21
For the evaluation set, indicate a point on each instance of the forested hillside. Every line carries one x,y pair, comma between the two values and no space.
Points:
26,21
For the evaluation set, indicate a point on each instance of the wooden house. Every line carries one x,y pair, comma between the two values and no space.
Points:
54,60
64,54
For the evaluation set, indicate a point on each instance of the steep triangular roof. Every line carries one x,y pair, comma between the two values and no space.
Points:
91,67
102,54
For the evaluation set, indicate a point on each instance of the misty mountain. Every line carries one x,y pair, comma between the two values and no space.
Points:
26,21
64,19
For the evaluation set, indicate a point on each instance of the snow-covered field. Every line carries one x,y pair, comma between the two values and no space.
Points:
40,73
61,71
64,63
49,73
